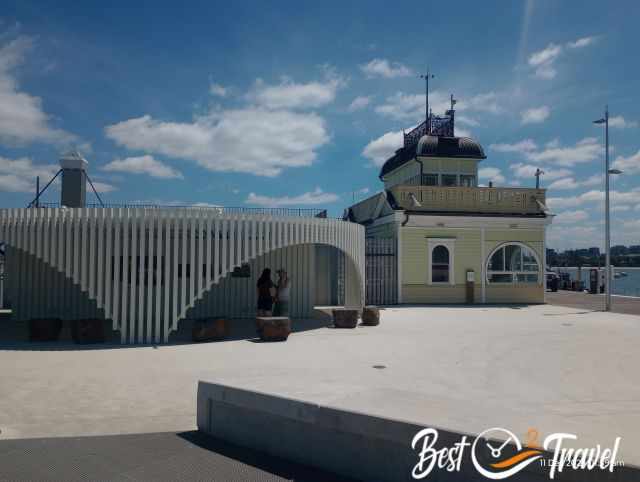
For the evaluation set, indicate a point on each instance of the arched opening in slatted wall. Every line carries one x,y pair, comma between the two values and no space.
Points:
320,275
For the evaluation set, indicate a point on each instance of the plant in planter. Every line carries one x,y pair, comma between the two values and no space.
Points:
370,316
345,318
208,329
274,328
85,331
44,329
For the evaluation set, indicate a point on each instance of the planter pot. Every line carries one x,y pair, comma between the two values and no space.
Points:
370,316
210,330
45,329
345,318
87,331
275,328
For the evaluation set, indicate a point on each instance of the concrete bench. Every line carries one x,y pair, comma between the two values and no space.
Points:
273,328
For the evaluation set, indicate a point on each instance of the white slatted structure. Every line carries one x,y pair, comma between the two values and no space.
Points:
145,268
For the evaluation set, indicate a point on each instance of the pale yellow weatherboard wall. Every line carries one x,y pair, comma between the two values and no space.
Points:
467,256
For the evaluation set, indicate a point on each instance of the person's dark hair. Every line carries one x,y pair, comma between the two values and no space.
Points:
265,276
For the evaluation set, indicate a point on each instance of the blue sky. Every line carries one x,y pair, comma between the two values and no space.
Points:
243,105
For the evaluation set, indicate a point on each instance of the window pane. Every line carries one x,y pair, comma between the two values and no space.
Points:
500,278
529,260
512,258
449,180
440,273
429,179
440,265
440,255
527,278
496,263
467,181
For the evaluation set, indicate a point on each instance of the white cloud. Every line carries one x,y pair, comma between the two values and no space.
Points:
525,145
629,165
401,106
543,61
585,150
469,121
618,198
547,55
143,165
251,140
318,196
581,42
103,187
571,217
290,95
380,149
218,90
487,102
410,107
523,171
564,183
535,115
462,132
386,69
19,175
359,103
22,118
594,180
571,183
491,174
621,123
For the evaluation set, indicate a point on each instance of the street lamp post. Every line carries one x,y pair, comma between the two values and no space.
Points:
607,236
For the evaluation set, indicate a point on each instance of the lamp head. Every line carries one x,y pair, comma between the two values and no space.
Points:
599,121
615,171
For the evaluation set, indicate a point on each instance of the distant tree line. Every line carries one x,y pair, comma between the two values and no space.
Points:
620,256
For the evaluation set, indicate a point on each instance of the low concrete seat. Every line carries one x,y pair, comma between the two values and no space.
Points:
273,328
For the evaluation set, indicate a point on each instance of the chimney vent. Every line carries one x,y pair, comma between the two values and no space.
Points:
74,182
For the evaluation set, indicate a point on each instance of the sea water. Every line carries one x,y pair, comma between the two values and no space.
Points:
625,285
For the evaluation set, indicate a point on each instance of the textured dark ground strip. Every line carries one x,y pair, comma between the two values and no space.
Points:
149,457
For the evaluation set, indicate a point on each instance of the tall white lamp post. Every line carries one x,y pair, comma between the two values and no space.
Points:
607,236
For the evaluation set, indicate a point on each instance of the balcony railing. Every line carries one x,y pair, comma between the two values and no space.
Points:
295,212
489,200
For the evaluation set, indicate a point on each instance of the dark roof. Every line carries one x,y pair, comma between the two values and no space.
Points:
435,146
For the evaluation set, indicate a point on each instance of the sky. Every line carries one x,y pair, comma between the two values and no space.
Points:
299,104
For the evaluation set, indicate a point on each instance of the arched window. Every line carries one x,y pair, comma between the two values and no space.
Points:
513,263
440,265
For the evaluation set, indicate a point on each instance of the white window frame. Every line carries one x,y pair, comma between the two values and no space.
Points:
514,280
450,244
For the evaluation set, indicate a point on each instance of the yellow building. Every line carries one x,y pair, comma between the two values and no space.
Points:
454,241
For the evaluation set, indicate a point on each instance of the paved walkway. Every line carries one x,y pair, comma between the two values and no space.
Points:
585,301
145,457
466,368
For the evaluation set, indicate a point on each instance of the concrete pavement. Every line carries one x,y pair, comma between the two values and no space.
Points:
461,368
